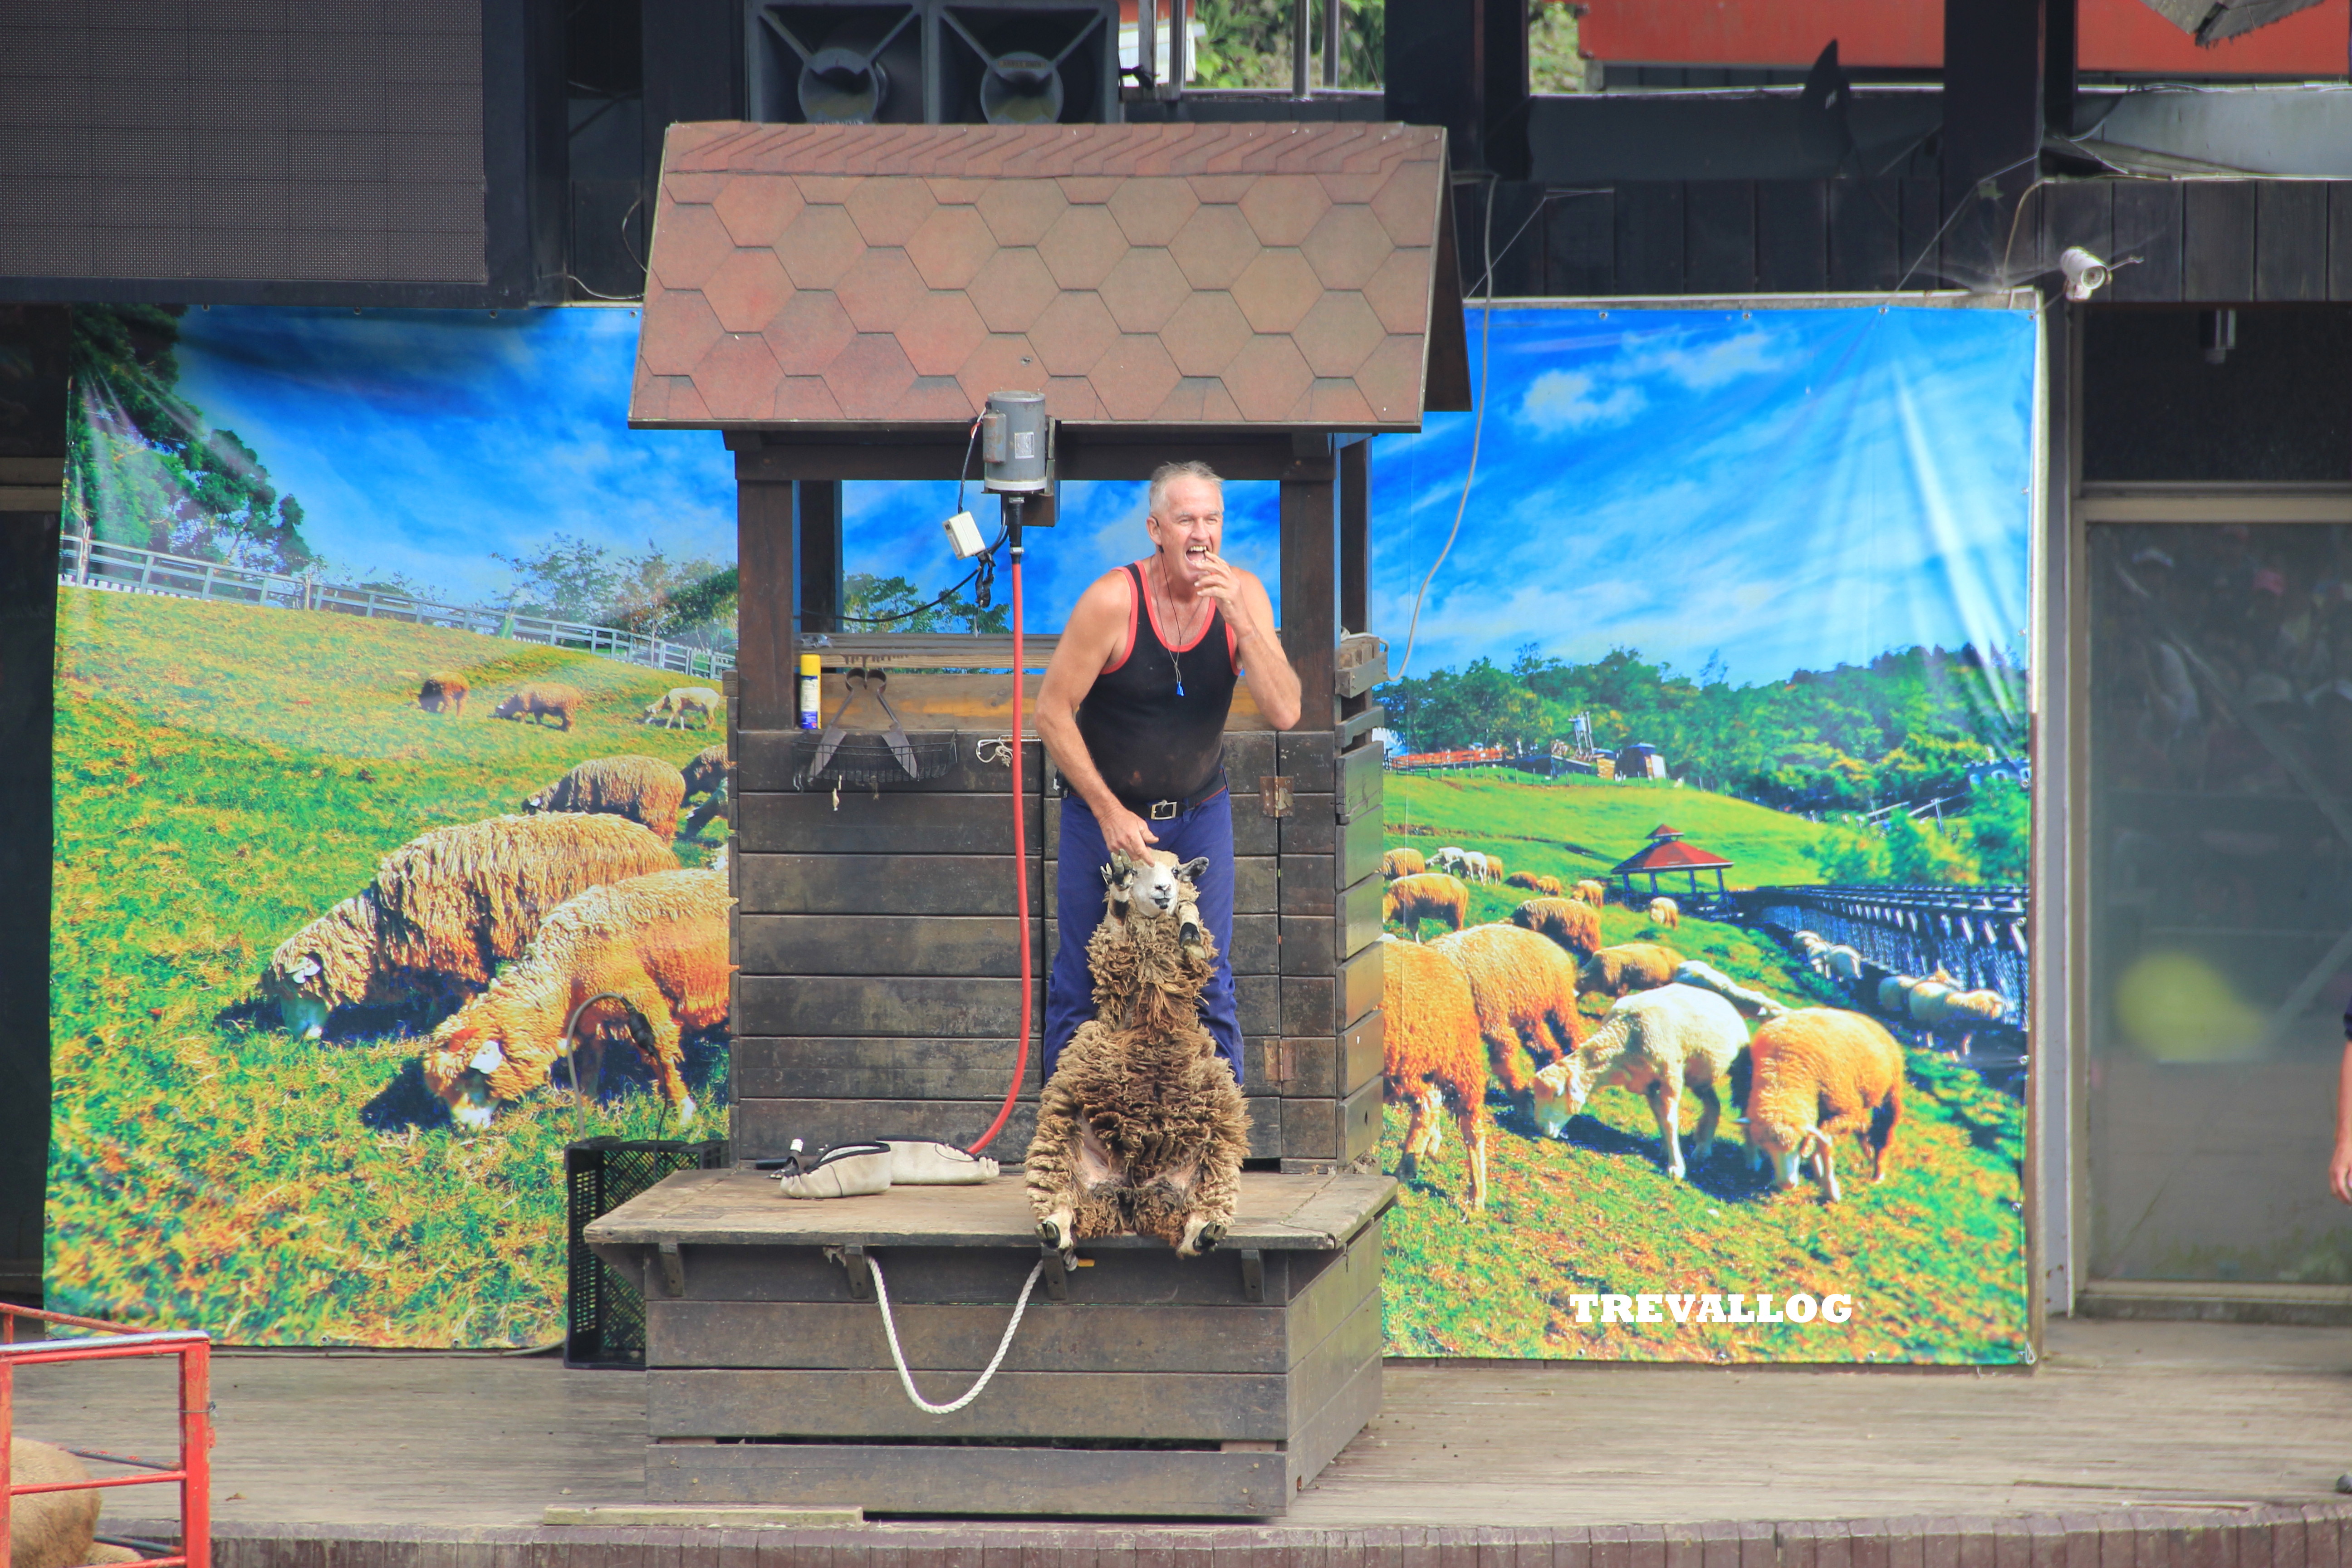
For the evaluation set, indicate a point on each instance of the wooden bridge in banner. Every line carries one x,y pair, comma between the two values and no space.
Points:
842,301
1977,936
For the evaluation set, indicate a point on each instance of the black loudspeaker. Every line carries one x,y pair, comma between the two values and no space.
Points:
840,63
1024,62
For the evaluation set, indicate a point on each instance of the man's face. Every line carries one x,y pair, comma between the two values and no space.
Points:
1190,525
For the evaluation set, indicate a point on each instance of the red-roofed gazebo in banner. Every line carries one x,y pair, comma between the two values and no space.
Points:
1664,854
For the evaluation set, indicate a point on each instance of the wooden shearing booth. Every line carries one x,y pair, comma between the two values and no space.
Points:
841,301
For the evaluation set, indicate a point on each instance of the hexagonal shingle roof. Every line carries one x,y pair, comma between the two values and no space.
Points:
1276,274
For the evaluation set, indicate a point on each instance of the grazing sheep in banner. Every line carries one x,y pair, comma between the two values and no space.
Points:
707,772
1431,896
680,703
443,694
1629,966
446,907
1435,1061
1452,860
1521,880
1893,994
1574,926
1549,886
643,789
1842,964
1592,891
537,702
1811,944
1473,867
1666,912
1657,1043
1967,1011
659,943
1141,1131
1525,991
1402,863
1816,1073
1495,867
1751,1003
1924,1001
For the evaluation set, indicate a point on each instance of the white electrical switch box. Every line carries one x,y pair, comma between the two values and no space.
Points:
963,536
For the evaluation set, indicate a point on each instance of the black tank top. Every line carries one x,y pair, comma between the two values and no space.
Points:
1154,723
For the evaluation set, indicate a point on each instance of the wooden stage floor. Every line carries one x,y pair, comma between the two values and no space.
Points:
2184,1418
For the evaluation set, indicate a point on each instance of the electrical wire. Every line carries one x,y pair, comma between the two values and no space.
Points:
1477,423
1020,901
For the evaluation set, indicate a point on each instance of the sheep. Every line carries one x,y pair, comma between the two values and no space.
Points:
1629,966
643,789
536,702
1893,994
1811,944
1968,1011
1574,926
1593,891
659,943
1816,1073
1842,964
1752,1004
1473,864
1925,1003
1657,1043
1521,880
1434,1057
707,772
1495,867
1525,990
1431,896
1666,912
445,907
443,694
51,1529
1402,863
680,703
1452,860
1549,886
1141,1130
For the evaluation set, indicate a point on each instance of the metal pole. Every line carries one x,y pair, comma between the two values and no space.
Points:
196,1455
1147,43
1335,16
7,1435
1180,70
1302,34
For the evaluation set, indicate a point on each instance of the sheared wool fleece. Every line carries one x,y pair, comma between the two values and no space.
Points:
643,789
1142,1128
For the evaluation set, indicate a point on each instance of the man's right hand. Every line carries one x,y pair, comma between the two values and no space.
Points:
1122,830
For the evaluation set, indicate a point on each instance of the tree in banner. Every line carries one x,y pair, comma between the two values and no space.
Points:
870,603
142,468
570,579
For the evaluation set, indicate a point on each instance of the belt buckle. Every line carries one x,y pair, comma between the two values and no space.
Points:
1161,810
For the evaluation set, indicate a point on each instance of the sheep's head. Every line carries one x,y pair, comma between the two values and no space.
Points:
458,1068
539,802
297,981
1560,1091
1787,1151
1157,886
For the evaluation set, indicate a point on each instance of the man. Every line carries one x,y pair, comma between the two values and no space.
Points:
1133,713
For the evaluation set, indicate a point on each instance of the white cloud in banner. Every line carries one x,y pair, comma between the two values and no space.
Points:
1794,490
1568,400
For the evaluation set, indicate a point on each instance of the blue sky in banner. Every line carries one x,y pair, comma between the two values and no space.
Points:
892,528
420,441
1786,489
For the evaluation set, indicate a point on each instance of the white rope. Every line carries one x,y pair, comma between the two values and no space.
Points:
907,1379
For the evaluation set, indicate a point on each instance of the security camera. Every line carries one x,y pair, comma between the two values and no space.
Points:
2086,273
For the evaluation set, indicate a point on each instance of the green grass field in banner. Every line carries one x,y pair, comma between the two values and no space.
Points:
223,775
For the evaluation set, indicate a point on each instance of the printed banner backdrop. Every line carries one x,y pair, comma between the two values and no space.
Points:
339,592
1734,619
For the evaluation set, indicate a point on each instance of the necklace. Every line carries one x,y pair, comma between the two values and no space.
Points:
1173,662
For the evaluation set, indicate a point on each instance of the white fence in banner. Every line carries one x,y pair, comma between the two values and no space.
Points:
122,569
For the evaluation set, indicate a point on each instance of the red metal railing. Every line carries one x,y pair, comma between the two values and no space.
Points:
114,1341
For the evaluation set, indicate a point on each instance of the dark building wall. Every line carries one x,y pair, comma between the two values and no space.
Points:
2278,407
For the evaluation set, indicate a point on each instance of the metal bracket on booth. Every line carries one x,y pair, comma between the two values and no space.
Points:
673,1267
1057,1276
1253,1274
854,1263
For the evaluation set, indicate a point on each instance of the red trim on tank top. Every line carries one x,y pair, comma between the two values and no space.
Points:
1152,610
1134,592
1233,649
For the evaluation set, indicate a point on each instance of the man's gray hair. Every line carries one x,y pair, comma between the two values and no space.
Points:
1168,473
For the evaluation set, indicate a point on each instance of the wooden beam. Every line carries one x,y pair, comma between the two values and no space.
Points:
1309,594
1356,536
764,647
819,577
1992,130
773,456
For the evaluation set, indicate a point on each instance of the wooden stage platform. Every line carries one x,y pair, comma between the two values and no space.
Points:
2135,1446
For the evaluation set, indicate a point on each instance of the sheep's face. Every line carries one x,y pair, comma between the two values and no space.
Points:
1558,1093
1154,886
538,802
458,1069
299,988
1782,1150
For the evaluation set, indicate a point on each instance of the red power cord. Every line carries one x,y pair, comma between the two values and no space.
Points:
1020,871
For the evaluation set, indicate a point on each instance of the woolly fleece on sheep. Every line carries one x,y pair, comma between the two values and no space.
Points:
1435,1059
1657,1043
1431,896
1575,926
1524,988
643,789
1629,966
1814,1074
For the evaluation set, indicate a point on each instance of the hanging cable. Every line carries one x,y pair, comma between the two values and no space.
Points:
898,1357
1020,861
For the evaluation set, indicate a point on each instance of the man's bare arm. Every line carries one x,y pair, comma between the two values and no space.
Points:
1088,645
1274,685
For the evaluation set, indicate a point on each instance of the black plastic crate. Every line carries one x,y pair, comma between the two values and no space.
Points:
605,1315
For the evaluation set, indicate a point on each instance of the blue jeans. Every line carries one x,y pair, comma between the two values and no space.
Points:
1207,829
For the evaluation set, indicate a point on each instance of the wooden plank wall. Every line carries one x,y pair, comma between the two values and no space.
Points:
2202,241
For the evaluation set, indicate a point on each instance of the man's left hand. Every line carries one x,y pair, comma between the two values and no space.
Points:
1219,581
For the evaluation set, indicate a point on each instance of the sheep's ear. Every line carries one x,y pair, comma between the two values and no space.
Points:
1190,870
